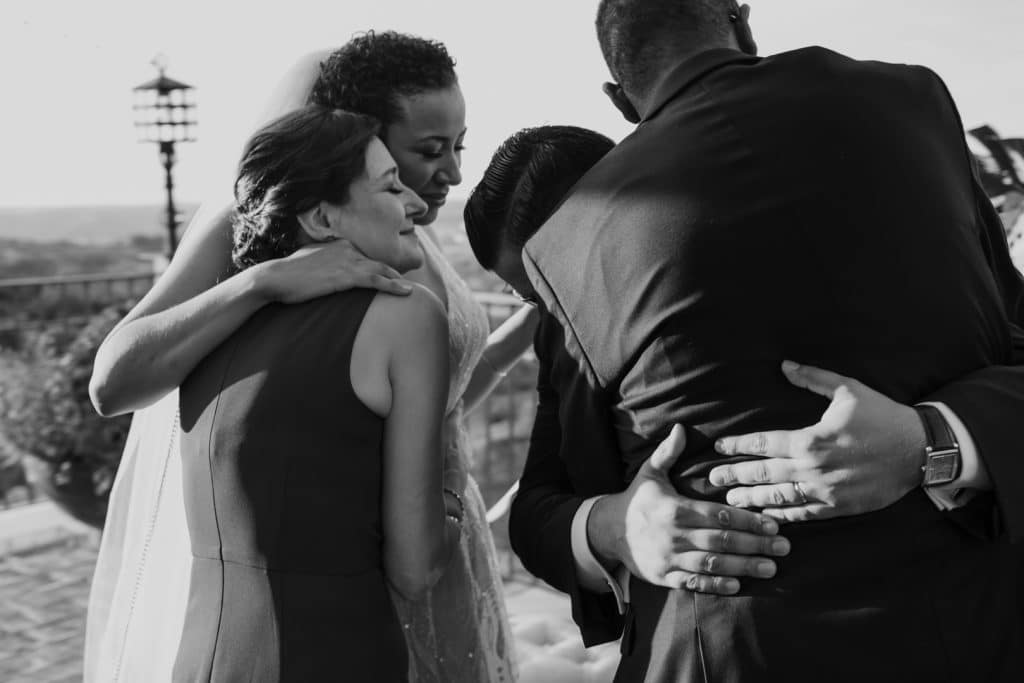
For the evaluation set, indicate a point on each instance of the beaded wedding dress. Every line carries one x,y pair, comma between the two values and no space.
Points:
459,633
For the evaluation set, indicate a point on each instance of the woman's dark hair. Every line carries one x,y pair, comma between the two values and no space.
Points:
370,72
527,179
288,166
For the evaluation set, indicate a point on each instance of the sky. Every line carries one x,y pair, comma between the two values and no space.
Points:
67,68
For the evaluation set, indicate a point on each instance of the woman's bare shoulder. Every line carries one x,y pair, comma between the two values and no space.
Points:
421,309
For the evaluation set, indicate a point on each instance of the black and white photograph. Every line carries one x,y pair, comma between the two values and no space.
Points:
591,341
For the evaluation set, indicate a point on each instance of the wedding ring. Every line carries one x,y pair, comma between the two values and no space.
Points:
800,492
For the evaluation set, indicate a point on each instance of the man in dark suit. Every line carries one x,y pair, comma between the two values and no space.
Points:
800,206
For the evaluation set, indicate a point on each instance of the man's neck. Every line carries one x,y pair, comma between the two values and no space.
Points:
673,58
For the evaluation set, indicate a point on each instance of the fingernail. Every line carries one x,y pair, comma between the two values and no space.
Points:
780,546
769,526
766,568
790,366
731,586
721,447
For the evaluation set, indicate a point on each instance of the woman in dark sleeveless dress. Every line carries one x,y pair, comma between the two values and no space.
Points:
312,437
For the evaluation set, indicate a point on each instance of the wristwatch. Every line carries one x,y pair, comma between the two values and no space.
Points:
942,452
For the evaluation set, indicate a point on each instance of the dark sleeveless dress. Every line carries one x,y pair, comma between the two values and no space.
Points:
282,478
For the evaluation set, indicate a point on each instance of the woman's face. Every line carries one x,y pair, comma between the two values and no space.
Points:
378,216
426,143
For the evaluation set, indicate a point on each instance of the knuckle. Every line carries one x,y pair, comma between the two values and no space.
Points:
761,472
725,540
724,518
797,515
847,391
710,562
738,498
776,497
758,444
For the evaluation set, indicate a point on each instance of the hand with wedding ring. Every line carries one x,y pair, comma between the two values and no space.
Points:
670,540
864,454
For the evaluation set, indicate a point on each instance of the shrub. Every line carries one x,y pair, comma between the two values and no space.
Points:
47,413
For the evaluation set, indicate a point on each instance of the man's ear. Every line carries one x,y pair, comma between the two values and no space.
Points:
744,36
316,224
618,97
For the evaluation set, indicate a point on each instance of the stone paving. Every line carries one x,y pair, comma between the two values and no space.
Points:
43,597
44,594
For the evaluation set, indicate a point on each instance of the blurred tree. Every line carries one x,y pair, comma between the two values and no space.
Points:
46,412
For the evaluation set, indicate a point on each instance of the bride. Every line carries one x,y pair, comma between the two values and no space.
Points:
460,631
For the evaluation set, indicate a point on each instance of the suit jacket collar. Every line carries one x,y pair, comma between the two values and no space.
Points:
686,73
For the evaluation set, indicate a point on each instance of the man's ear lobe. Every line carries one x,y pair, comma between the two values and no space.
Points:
618,97
315,224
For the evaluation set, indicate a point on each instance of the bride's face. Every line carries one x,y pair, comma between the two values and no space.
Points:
378,216
427,145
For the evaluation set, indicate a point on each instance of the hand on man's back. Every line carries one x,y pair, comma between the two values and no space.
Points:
674,541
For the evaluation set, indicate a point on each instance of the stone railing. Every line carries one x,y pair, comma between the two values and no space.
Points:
499,428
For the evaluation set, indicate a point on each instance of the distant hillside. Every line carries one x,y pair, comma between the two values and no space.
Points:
118,224
85,224
97,239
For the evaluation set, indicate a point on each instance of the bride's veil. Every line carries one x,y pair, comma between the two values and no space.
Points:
292,90
140,586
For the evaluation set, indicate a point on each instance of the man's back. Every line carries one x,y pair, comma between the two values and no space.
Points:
807,207
803,206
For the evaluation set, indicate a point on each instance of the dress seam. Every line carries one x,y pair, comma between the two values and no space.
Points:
213,507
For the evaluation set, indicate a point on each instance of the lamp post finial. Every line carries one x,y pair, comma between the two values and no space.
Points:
160,62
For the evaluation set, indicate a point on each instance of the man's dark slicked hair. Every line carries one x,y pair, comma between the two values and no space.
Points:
528,177
369,73
636,34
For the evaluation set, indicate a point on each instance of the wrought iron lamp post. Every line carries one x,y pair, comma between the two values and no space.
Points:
165,114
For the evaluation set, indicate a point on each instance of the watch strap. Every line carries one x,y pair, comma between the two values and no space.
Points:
942,451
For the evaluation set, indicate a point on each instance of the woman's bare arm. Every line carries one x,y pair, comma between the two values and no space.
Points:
197,303
142,358
418,536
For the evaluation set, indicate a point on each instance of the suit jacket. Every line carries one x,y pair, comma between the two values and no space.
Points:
803,206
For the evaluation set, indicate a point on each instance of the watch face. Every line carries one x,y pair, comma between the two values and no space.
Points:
942,467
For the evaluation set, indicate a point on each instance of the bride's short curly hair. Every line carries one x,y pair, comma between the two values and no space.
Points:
288,166
371,71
